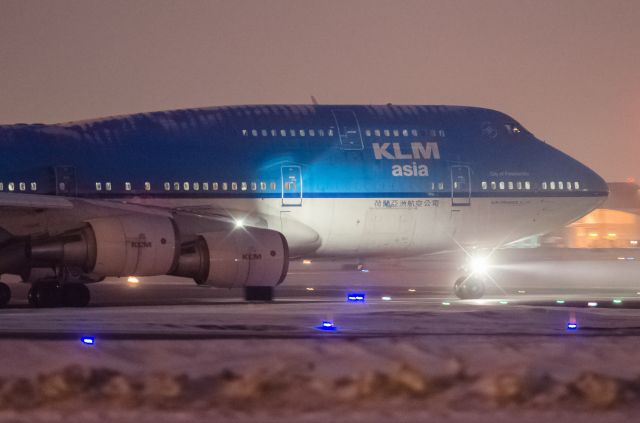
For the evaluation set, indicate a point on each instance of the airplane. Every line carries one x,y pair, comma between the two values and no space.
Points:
227,196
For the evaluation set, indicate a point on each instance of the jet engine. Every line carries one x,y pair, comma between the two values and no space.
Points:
244,256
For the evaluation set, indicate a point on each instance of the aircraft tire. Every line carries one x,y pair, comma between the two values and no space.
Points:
468,288
258,293
5,294
75,295
44,294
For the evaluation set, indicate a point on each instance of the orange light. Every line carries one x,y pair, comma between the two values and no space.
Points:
133,280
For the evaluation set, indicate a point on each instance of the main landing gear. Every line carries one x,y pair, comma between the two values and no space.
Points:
52,294
5,294
258,293
469,287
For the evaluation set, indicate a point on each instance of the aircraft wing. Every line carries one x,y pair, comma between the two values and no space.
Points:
33,201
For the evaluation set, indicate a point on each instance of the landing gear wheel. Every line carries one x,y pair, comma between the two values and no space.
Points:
44,294
5,294
258,293
469,288
75,295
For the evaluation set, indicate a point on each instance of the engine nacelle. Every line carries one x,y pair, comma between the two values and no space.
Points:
113,246
236,258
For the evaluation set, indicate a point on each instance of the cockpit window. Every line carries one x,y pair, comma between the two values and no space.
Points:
512,129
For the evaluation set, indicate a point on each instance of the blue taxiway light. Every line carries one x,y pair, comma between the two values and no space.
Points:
327,325
572,326
88,340
356,297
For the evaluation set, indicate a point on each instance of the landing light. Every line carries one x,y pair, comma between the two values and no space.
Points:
133,280
356,297
88,340
479,264
239,223
572,326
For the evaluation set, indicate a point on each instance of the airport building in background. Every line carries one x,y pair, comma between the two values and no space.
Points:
616,224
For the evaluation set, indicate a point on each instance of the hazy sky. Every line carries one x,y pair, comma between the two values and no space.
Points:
569,71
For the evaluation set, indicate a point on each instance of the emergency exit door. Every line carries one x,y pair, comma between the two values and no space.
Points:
291,185
460,186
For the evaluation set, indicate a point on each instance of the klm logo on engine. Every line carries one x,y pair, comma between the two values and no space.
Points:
252,256
141,244
418,151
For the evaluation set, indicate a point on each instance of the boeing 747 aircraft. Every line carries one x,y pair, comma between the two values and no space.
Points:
228,196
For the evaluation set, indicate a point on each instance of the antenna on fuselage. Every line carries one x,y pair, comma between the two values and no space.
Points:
313,100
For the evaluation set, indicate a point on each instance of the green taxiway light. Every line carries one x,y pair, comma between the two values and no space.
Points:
504,302
559,301
617,301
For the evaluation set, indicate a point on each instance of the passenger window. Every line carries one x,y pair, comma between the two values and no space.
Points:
560,185
245,132
576,185
433,186
205,186
292,132
442,133
22,186
225,186
264,133
283,132
321,132
519,185
494,186
274,133
214,186
414,132
185,185
254,132
501,184
456,185
552,185
147,186
273,185
396,133
510,184
196,186
167,186
569,187
330,132
544,185
302,132
98,186
312,133
441,186
376,132
1,186
286,186
484,185
253,186
234,186
243,186
108,186
263,186
176,186
34,186
405,132
12,186
127,186
527,185
387,133
432,132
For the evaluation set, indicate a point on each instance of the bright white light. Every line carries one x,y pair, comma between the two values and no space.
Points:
239,223
133,280
386,298
592,304
479,264
310,289
446,303
503,302
411,290
306,261
522,291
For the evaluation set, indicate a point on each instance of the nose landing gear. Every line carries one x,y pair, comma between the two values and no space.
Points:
469,287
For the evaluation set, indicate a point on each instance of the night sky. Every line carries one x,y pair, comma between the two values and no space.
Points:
569,71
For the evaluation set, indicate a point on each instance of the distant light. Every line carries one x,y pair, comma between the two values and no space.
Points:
411,290
559,301
363,270
239,223
503,302
386,298
88,340
356,297
133,280
617,301
327,325
572,326
612,235
522,291
310,289
631,258
592,304
633,242
446,303
593,234
621,258
306,261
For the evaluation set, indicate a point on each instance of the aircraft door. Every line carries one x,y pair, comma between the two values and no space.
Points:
348,130
66,180
460,186
291,185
